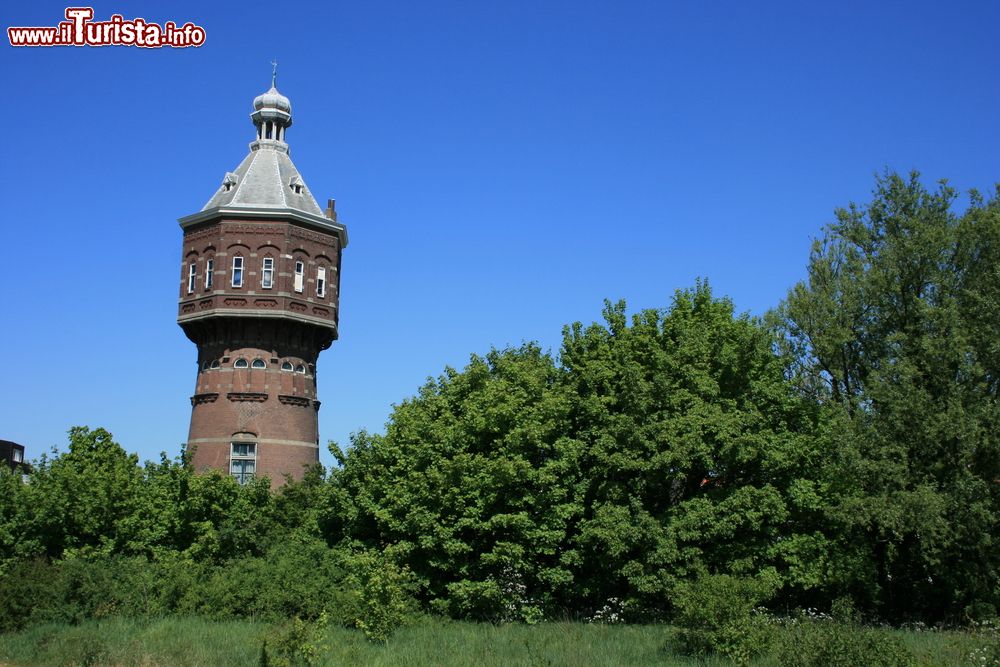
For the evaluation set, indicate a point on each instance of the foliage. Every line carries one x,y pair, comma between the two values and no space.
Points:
468,486
893,333
848,447
296,580
517,487
819,640
723,614
698,456
296,643
384,593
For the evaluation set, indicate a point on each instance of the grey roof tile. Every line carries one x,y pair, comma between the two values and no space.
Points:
266,178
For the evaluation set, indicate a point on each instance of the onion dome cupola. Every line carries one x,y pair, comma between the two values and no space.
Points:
272,114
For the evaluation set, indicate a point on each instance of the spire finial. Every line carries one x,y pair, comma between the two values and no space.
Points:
274,72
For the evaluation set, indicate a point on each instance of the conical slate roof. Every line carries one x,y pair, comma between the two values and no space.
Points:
266,178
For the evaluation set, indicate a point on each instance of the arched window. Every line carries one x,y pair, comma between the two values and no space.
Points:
240,363
286,366
300,369
258,363
214,364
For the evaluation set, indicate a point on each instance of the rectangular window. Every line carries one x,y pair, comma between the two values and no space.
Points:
267,273
192,272
299,270
17,455
243,461
237,272
321,282
209,270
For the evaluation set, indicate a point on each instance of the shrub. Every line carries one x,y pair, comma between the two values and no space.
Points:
299,578
818,640
296,643
27,595
720,614
295,579
384,595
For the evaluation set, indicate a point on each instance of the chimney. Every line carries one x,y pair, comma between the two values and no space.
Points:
331,205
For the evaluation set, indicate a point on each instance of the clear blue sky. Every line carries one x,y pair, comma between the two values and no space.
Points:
502,167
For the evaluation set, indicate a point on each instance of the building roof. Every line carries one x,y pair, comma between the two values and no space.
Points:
266,178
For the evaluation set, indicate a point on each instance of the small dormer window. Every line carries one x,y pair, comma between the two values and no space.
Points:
296,184
229,181
240,363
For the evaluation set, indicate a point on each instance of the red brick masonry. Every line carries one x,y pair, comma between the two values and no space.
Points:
257,345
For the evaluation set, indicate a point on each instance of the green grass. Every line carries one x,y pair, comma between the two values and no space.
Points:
117,641
192,641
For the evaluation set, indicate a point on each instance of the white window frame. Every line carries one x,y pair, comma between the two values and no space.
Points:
258,363
192,276
242,453
237,267
300,270
241,363
321,282
209,270
267,273
17,455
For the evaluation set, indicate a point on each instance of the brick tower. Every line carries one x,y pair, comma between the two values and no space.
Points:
260,288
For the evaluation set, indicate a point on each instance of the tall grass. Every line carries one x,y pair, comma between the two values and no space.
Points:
119,641
191,641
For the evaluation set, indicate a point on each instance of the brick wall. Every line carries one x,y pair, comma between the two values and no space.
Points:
280,328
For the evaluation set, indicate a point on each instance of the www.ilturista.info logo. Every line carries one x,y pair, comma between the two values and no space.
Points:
80,30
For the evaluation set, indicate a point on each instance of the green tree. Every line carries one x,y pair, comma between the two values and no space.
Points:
75,502
468,487
654,452
698,456
893,332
